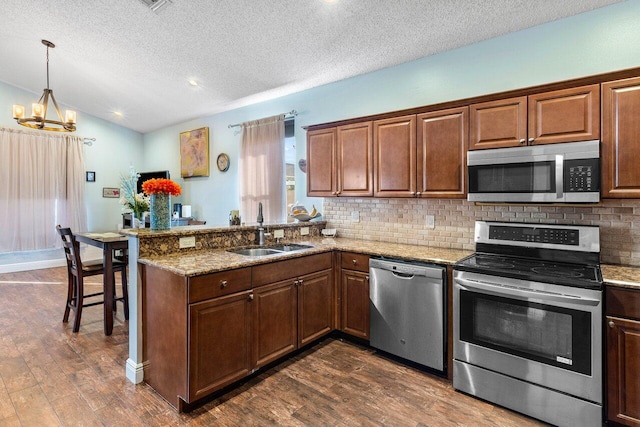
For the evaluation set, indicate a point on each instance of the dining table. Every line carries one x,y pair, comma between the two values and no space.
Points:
107,241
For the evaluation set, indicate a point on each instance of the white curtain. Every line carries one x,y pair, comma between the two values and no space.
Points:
262,170
41,185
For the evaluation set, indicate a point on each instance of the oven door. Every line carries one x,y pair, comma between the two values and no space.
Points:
541,333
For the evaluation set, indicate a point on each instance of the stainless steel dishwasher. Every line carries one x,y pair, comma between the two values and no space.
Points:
408,311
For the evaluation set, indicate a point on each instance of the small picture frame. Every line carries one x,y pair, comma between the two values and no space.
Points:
194,153
109,192
90,176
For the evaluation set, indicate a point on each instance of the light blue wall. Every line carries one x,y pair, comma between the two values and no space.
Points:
114,149
599,41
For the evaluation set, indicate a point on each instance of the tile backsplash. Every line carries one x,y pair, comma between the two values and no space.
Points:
405,221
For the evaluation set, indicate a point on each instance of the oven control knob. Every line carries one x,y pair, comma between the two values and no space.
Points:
611,324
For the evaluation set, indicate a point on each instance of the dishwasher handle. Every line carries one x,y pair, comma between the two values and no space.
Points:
405,270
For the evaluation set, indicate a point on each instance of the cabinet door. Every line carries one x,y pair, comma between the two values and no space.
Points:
501,123
621,139
219,343
355,160
274,322
567,115
321,163
623,371
394,142
442,153
315,306
355,303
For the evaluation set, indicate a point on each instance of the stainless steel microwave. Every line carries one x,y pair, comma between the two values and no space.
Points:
552,173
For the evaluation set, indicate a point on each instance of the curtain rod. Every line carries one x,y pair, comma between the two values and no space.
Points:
291,113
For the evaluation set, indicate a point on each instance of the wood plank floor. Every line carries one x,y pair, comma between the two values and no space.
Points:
50,376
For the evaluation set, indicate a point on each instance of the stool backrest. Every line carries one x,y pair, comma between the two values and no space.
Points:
71,248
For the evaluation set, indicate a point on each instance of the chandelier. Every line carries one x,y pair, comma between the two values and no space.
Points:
38,119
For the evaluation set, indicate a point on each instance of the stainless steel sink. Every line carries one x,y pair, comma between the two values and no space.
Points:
255,252
271,250
290,247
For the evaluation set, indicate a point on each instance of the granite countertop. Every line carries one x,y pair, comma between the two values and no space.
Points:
209,261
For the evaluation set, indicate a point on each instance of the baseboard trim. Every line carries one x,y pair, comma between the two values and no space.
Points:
33,265
135,371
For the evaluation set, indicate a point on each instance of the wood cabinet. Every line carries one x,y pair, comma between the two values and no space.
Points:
566,115
340,161
321,163
442,153
623,355
315,306
621,138
219,343
394,142
354,299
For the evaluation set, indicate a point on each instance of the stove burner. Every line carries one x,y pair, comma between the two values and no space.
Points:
549,271
493,263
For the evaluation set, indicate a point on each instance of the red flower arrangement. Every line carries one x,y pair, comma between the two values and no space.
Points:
161,186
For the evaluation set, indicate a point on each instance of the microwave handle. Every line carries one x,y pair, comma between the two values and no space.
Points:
559,176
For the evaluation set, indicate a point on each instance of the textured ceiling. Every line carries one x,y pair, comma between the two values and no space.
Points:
118,55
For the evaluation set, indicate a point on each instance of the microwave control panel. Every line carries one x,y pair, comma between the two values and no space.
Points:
582,175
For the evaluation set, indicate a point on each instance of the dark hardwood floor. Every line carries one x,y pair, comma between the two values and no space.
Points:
50,376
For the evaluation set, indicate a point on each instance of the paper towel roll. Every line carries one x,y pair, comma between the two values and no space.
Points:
186,211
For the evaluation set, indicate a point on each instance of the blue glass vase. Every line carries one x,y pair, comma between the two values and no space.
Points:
160,211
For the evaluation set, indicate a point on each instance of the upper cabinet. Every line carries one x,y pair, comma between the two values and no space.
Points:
566,115
321,163
340,161
621,138
394,142
442,153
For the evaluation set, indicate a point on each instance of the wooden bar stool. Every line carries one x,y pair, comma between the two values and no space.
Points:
77,270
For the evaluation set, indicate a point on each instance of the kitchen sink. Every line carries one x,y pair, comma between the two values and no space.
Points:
255,251
290,247
271,250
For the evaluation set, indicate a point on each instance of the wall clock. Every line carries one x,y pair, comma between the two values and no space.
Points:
223,162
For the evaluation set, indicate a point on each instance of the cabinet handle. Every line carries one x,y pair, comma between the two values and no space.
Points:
223,283
531,140
250,297
354,261
412,193
334,192
611,324
367,278
522,141
296,283
300,282
418,194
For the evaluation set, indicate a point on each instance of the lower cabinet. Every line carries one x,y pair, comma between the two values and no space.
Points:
219,343
623,356
354,294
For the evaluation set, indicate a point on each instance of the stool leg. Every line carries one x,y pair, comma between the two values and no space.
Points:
79,302
125,293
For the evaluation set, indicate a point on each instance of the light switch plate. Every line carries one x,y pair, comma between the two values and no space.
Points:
188,242
355,216
278,234
304,231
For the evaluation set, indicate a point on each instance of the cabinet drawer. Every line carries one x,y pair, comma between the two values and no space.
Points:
623,302
218,284
354,261
291,268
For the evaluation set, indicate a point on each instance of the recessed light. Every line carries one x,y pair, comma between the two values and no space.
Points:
118,114
192,82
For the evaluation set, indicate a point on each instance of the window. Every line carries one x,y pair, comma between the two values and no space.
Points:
289,166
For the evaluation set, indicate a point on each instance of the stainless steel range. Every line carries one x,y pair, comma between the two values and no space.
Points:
528,321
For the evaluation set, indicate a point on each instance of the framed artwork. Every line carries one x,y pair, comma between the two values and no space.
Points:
90,176
110,192
194,153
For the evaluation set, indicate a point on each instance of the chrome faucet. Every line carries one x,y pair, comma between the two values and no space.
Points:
260,227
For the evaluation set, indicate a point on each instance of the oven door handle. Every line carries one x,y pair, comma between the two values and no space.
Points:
519,293
559,176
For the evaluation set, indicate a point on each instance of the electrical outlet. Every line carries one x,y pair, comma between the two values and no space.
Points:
355,216
188,242
304,231
278,234
431,221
